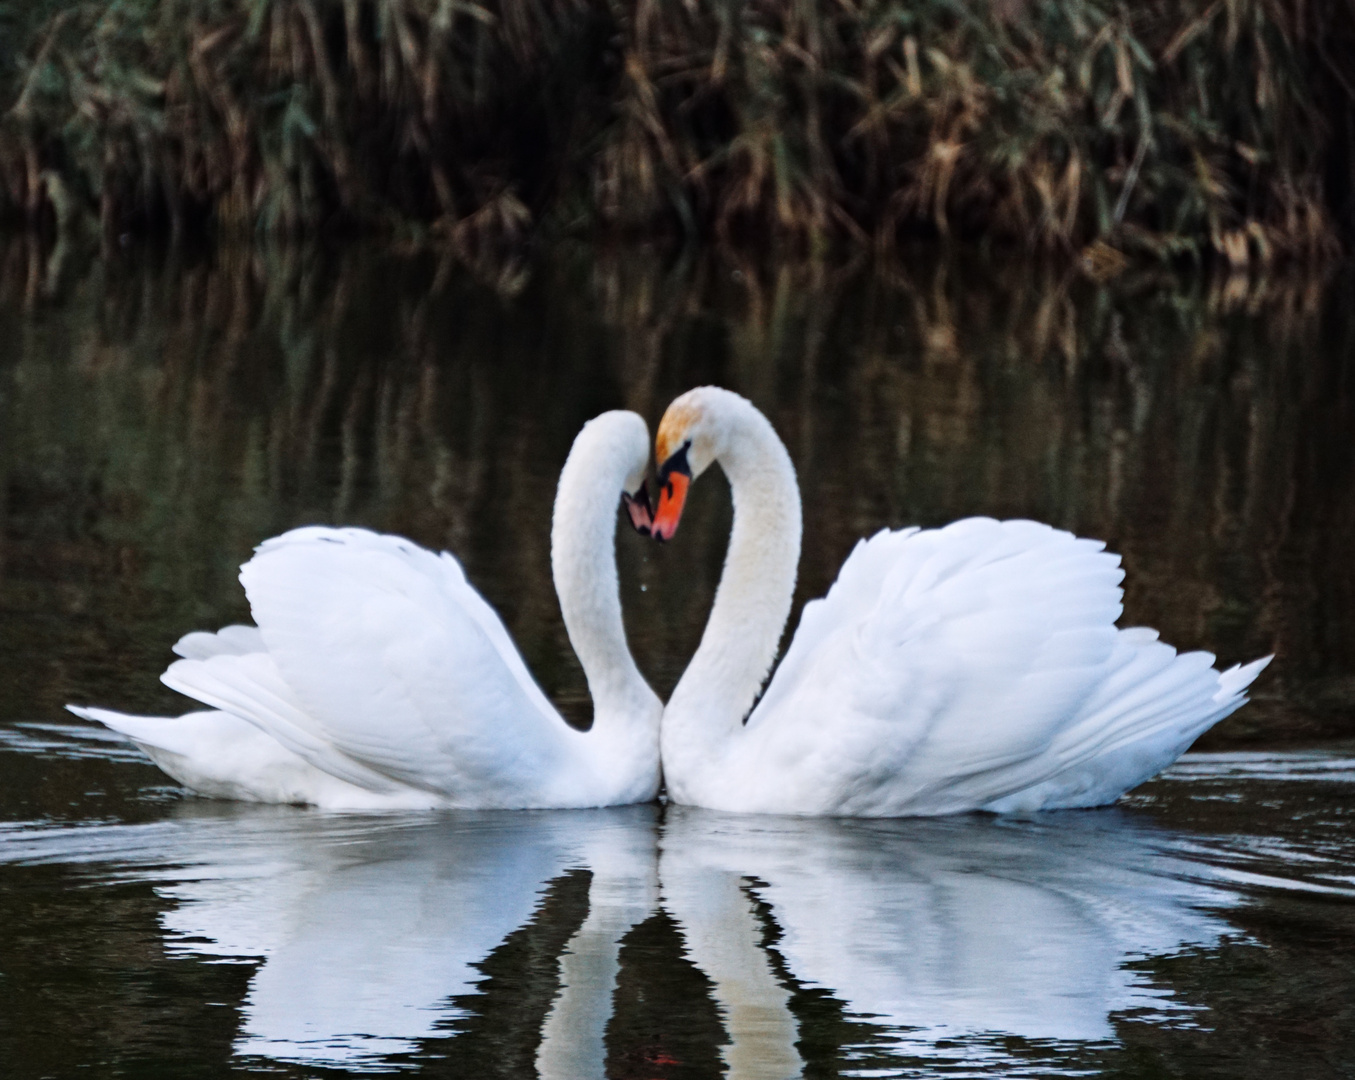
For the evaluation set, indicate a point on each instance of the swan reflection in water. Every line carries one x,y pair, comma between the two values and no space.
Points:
371,934
935,929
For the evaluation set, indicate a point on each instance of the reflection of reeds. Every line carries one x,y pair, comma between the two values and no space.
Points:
159,420
1161,127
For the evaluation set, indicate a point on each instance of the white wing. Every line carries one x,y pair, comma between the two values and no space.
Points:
219,755
228,641
950,668
383,667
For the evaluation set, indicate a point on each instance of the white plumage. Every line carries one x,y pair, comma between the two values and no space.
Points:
378,677
977,666
972,667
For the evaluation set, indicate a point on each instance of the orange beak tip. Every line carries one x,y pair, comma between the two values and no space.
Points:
672,498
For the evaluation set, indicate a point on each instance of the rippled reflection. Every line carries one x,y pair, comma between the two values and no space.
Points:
159,416
941,929
369,936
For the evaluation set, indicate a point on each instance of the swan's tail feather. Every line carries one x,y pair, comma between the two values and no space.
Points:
1146,714
196,749
1161,696
1234,682
195,737
142,730
220,755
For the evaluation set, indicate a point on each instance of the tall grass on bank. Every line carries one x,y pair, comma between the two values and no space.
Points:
1164,126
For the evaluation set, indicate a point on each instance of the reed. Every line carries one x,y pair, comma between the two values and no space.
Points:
1169,127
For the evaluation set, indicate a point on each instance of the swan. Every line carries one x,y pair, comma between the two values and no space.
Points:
377,677
972,667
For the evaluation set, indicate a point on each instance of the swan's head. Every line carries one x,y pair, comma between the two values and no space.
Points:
694,432
611,452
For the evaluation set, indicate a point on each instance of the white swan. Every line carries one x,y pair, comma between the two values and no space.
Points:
378,677
972,667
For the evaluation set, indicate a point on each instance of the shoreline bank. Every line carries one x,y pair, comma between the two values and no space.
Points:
1194,131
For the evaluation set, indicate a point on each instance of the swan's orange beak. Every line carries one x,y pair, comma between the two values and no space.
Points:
638,509
672,496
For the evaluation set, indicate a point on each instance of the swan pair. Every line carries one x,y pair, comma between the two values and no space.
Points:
976,666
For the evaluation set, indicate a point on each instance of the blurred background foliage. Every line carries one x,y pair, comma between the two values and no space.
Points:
1097,127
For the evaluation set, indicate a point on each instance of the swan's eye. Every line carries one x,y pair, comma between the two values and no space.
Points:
676,463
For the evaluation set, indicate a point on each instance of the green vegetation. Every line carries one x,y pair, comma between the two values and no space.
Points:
1166,126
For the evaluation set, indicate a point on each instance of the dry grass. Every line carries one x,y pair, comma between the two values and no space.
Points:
1221,126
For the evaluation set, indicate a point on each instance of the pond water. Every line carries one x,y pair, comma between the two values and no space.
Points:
162,415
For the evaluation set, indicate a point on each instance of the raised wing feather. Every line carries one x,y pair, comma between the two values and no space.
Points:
391,663
234,640
940,657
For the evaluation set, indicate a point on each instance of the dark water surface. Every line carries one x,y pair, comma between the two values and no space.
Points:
159,418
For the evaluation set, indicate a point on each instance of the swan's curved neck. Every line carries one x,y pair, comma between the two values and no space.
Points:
583,564
754,596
